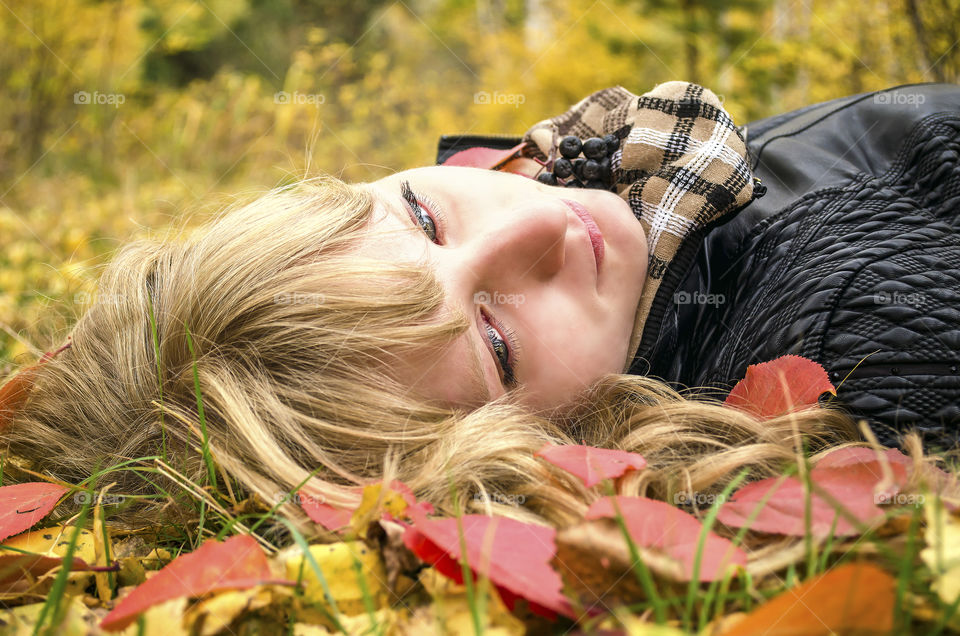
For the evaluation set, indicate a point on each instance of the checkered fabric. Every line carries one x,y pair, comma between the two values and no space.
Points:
682,166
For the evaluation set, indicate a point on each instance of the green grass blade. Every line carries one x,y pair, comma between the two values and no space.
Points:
207,458
706,526
55,598
327,594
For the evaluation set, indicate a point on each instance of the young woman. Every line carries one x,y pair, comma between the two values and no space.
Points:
442,323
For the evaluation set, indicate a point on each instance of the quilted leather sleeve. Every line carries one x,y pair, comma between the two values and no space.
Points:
852,260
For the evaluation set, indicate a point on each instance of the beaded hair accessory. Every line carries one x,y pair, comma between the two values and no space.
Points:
15,392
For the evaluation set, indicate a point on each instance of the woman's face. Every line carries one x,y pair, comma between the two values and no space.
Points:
515,256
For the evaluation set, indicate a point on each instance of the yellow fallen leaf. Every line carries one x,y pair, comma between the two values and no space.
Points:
22,621
374,500
942,554
214,613
337,563
53,541
450,611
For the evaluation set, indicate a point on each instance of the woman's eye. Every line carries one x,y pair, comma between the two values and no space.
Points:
503,350
424,219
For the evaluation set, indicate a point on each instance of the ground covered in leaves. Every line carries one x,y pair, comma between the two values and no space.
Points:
865,540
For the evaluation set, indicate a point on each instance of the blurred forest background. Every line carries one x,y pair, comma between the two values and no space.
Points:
119,117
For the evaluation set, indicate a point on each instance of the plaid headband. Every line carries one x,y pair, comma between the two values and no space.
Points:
682,166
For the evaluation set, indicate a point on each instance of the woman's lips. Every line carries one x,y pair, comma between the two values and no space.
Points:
596,236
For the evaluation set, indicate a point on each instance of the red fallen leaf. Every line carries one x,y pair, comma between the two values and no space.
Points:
860,454
592,465
236,563
22,505
515,557
14,393
853,598
780,386
333,518
479,157
13,566
851,484
326,515
657,524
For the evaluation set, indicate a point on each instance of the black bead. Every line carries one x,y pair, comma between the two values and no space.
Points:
562,168
570,146
574,183
612,142
606,174
547,178
594,148
591,169
597,185
578,167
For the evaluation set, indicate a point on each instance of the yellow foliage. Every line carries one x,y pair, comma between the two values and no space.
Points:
352,571
942,554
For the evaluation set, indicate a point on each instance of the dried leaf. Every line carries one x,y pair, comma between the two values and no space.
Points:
515,556
337,562
591,465
23,505
780,386
854,598
238,562
658,525
942,554
853,485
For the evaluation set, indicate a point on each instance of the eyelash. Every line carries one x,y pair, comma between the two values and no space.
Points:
439,224
493,325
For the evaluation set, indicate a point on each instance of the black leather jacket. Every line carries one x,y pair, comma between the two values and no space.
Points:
852,259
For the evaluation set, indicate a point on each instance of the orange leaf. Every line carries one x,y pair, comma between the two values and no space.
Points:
14,393
780,386
236,563
591,465
854,598
22,505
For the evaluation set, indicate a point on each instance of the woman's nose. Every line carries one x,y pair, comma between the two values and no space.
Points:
526,241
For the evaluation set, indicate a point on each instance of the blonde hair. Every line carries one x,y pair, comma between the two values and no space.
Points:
294,334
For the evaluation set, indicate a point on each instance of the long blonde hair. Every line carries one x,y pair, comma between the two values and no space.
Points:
293,337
